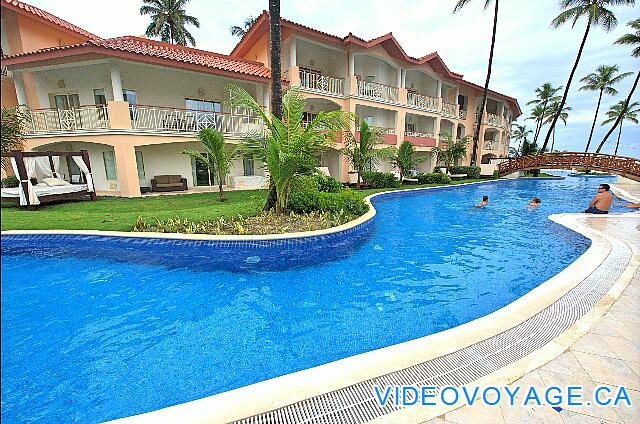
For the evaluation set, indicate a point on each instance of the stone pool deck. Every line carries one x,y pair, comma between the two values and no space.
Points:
609,353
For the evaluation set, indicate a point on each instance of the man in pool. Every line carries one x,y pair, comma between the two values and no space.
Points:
535,202
601,202
485,202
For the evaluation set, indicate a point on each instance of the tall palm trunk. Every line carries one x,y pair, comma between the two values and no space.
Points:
476,132
619,119
566,89
595,118
539,126
618,142
276,82
553,139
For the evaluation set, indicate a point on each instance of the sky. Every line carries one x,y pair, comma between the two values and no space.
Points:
528,51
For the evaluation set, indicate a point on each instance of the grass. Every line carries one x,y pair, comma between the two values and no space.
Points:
120,214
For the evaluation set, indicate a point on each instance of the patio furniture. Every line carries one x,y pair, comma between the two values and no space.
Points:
164,183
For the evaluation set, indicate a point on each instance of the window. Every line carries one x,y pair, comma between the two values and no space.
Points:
307,117
461,102
248,165
368,120
130,96
203,105
74,169
109,165
140,165
64,101
409,127
99,98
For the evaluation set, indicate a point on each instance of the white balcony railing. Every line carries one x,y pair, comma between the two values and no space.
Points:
462,114
423,102
156,118
449,109
493,120
419,134
322,83
377,91
77,118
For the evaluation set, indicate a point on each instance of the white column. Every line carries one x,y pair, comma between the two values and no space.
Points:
265,99
457,94
19,84
439,89
293,52
399,77
352,64
259,94
116,84
404,78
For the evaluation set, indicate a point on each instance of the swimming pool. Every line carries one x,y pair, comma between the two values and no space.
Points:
95,339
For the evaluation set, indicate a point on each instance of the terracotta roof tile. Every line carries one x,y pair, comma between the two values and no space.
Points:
61,23
146,47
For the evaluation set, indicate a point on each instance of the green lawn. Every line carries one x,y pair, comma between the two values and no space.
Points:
119,214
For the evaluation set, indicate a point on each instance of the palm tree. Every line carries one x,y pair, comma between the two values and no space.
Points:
404,158
537,115
633,40
545,94
453,151
289,147
216,160
11,127
168,20
629,113
362,150
564,115
597,14
476,131
602,81
275,48
529,148
520,133
241,31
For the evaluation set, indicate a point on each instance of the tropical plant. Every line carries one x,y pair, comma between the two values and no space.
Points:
632,40
404,158
169,20
537,115
602,81
362,150
288,147
11,125
545,94
476,132
529,148
520,134
630,113
553,111
240,31
216,159
597,15
275,49
453,151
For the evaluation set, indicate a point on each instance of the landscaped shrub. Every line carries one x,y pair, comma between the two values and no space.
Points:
347,202
328,184
9,182
471,171
265,223
433,178
307,196
380,180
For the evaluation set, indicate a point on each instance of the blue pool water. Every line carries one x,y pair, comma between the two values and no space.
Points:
122,332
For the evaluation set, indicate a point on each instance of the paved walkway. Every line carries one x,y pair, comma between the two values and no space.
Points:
609,354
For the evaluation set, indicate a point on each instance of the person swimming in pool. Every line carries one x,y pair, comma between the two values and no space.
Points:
535,202
485,202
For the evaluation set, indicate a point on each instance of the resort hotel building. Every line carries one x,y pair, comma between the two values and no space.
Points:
134,103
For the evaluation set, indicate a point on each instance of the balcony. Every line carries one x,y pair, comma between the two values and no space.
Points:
492,145
462,114
389,136
449,110
375,91
493,120
423,139
422,102
163,119
321,83
72,119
